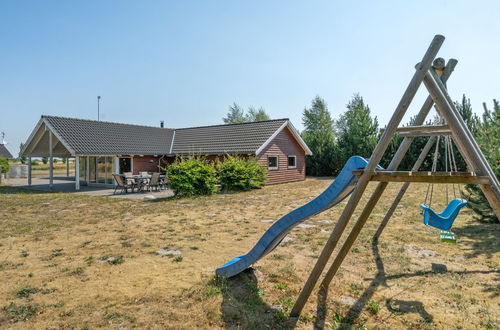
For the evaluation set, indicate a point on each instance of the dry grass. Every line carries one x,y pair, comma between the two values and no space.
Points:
42,170
76,261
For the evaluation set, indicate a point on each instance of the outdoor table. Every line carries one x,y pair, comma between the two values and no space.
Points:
142,180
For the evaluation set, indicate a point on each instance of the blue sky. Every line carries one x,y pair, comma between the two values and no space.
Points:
186,62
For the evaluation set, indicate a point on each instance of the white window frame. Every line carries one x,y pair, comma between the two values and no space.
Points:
295,162
277,162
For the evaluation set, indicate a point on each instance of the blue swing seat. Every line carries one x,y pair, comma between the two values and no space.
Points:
443,220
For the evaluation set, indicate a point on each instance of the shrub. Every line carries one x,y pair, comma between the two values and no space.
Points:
239,174
192,176
4,165
35,162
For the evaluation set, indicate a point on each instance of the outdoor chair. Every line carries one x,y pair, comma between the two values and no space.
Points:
128,176
155,182
121,183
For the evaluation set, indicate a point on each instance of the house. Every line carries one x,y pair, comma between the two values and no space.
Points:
101,148
4,152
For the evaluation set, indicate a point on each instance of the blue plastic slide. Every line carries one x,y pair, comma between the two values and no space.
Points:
334,194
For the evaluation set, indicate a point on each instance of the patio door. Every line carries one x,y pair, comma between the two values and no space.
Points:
104,170
125,164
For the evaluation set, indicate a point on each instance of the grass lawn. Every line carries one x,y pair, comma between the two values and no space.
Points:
42,170
75,261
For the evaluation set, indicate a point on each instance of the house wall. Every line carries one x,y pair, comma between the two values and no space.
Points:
284,145
144,164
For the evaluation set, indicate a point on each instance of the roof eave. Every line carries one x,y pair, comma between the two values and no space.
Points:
295,134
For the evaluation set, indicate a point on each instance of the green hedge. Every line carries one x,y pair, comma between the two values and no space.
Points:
192,176
197,176
239,174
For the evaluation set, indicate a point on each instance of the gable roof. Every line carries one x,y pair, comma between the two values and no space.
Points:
229,138
90,137
4,152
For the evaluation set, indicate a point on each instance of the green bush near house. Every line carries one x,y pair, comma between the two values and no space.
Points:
192,176
4,167
240,174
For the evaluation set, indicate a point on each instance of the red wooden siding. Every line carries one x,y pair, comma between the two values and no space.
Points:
284,145
144,164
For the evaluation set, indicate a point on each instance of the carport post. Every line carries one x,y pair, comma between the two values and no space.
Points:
51,161
77,173
67,166
29,171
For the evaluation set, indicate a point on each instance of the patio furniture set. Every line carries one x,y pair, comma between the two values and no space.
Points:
142,182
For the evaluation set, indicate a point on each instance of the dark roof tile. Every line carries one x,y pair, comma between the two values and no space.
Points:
4,152
90,137
219,139
107,138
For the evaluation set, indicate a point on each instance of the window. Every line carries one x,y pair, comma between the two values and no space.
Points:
292,161
272,162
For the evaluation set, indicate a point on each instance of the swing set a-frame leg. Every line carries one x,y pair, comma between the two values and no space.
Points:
464,140
448,70
398,157
404,187
363,181
353,235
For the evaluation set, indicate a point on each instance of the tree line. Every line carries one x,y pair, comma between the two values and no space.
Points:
356,132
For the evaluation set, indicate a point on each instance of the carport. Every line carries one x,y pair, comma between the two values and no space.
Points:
99,148
44,141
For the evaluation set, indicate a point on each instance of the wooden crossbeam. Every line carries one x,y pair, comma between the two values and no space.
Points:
417,128
420,133
425,177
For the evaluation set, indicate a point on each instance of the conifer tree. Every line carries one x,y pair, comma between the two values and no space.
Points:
235,115
256,114
318,135
356,130
488,138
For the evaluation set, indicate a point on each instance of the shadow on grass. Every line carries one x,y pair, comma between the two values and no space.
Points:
355,310
162,199
395,306
243,305
485,239
380,279
5,190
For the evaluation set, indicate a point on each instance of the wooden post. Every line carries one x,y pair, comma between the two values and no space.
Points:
469,139
29,171
403,189
51,163
465,143
364,216
379,190
384,141
77,172
67,166
419,120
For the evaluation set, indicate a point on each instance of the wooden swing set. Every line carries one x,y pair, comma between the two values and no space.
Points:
434,73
